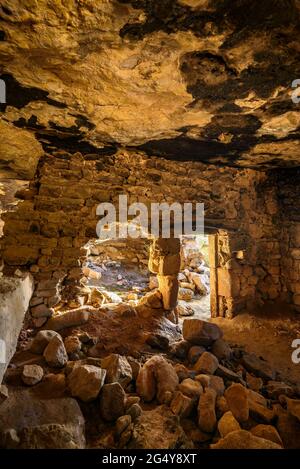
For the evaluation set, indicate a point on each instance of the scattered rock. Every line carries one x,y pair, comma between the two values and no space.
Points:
227,424
260,413
276,388
152,300
229,375
241,439
86,381
268,432
221,406
72,318
134,411
112,401
253,382
122,423
221,349
41,311
207,363
181,404
156,378
191,388
55,353
184,309
258,366
117,369
135,367
180,349
207,419
200,332
237,399
41,341
32,374
72,344
185,294
158,341
194,353
130,400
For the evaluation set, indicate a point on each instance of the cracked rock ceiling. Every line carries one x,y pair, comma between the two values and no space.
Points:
206,80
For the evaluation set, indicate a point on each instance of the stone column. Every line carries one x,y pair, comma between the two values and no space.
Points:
164,261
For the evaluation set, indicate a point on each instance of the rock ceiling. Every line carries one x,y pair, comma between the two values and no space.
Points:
207,80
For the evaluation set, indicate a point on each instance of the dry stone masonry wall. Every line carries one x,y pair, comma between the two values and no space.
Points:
57,217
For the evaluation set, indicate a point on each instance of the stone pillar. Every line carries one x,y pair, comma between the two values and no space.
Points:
164,261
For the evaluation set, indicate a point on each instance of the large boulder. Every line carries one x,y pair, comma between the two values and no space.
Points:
86,381
200,332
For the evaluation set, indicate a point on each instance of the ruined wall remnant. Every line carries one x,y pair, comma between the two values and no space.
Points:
48,231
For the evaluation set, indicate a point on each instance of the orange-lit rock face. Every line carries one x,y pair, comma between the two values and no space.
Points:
203,80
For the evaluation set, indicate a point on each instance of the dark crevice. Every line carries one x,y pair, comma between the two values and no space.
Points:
72,144
2,35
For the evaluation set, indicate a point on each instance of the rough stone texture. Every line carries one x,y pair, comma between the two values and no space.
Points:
237,399
23,410
117,369
32,374
112,401
206,364
258,366
86,381
55,353
228,424
200,332
41,341
181,404
190,388
241,439
207,420
268,432
15,294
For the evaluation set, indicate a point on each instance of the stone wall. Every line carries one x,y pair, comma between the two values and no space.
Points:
57,217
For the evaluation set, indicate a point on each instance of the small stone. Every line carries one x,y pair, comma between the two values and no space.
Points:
112,401
229,375
182,405
181,371
258,366
72,344
184,309
195,353
207,363
117,369
41,341
55,353
3,393
185,294
260,413
191,388
227,424
241,439
134,411
268,432
256,397
152,300
217,383
130,400
207,419
86,381
276,388
253,382
9,439
41,310
221,406
32,374
135,367
180,349
122,423
158,341
221,349
200,332
237,398
39,322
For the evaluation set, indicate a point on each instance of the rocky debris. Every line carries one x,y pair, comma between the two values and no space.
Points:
212,381
135,367
207,419
72,318
117,369
221,406
86,381
194,353
9,439
158,341
228,374
275,388
221,349
182,372
191,388
180,349
130,400
198,280
3,393
152,300
207,363
258,366
55,353
200,332
121,424
182,405
41,341
260,413
159,429
41,311
24,410
185,294
242,439
112,401
72,345
184,309
157,378
268,432
32,374
228,424
237,399
134,411
253,382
